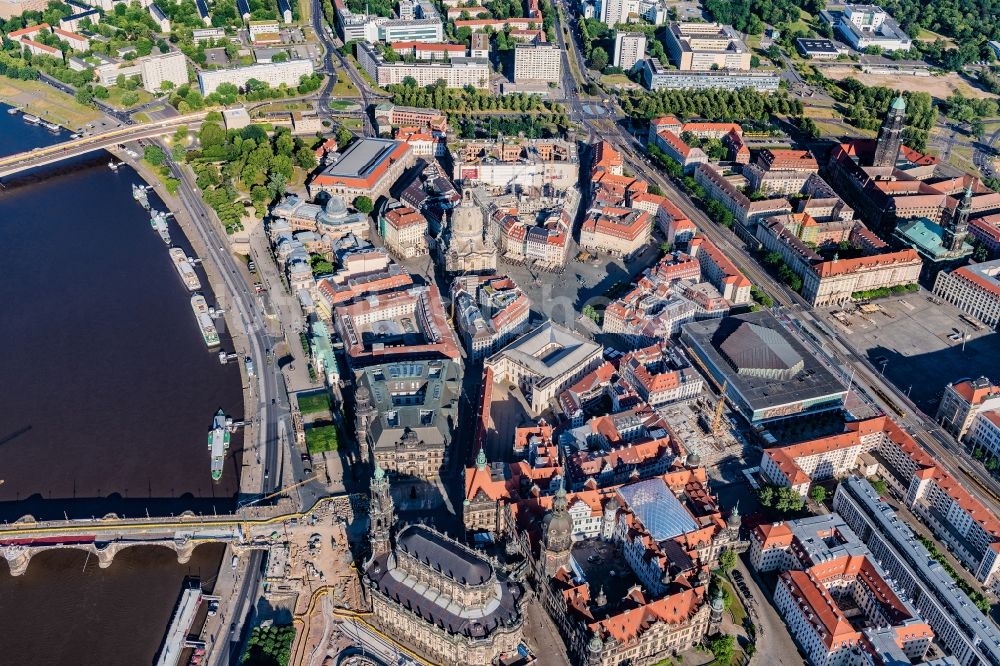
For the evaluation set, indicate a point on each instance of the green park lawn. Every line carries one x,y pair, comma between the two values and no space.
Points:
321,438
314,403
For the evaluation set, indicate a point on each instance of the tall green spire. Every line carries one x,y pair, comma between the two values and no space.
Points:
481,459
379,472
899,104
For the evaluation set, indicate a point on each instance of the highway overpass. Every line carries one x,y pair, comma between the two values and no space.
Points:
13,164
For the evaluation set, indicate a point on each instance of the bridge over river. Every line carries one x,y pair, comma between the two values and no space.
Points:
13,164
105,537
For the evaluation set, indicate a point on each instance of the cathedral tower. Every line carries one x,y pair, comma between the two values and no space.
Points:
557,534
364,413
381,513
890,135
957,229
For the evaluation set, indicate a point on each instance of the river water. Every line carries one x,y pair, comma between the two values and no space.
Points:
107,392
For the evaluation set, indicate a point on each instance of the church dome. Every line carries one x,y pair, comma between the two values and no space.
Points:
557,526
693,460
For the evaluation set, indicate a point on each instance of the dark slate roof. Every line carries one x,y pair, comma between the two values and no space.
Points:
813,382
443,554
434,550
752,346
430,406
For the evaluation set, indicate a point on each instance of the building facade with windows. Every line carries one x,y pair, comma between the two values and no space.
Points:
974,289
537,62
274,74
630,48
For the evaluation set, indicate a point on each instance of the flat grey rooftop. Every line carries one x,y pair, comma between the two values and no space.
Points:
361,157
812,381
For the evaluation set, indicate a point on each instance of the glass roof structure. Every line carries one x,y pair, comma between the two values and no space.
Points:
658,509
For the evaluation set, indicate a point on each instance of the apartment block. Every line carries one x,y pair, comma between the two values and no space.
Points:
970,637
720,271
537,62
630,48
274,74
826,572
159,69
456,73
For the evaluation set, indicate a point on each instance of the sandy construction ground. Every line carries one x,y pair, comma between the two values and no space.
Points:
939,87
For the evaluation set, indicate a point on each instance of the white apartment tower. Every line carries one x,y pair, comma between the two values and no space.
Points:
630,47
537,62
156,69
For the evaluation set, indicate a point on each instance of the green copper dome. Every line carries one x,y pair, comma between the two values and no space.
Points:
899,104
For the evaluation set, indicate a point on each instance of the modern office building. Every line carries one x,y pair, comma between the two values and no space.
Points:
657,77
705,47
537,62
630,48
862,26
457,72
427,30
274,74
769,374
817,49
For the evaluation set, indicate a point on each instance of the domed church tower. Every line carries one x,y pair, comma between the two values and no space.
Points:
557,534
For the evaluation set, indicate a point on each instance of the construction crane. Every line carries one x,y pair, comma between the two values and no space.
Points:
282,490
719,405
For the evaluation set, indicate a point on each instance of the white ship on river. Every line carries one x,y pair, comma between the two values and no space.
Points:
158,221
185,269
205,322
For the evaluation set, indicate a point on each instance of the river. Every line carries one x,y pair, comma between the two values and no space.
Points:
106,398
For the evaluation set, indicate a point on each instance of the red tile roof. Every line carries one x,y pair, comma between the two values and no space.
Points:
630,625
30,30
845,266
